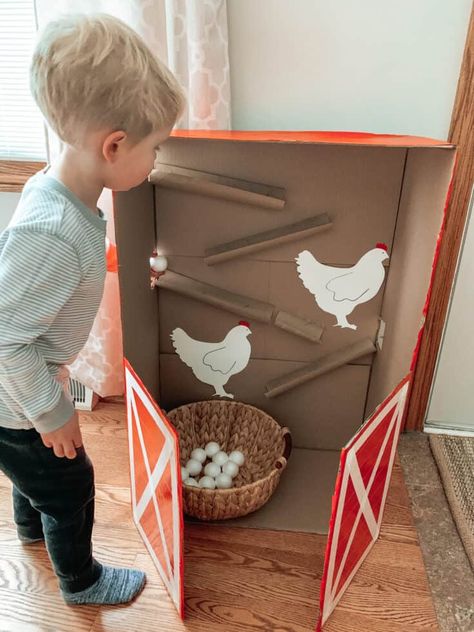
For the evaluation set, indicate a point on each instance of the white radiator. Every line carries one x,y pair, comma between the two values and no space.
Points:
84,397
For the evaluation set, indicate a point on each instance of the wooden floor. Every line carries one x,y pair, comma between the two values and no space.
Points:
237,580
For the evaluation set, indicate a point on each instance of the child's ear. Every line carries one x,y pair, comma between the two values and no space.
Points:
112,144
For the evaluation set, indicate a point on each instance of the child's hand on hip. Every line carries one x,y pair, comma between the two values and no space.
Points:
66,439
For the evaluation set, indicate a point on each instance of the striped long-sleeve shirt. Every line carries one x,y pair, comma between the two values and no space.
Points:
52,271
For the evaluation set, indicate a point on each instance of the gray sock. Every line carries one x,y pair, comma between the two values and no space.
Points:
114,586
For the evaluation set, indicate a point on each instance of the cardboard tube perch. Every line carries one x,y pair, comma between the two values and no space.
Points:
298,326
240,305
235,303
320,367
213,185
275,237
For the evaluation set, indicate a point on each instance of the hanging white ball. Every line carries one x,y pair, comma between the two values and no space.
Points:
158,263
207,482
212,448
191,482
237,457
230,468
212,469
193,467
199,455
223,481
220,458
184,473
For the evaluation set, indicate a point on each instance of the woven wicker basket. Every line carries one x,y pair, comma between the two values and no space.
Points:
235,426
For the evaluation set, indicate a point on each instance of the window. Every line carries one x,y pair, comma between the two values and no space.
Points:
22,130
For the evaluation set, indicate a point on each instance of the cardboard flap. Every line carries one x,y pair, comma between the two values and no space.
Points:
359,498
334,138
155,477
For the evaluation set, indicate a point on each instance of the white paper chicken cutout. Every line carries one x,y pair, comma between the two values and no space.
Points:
339,290
214,363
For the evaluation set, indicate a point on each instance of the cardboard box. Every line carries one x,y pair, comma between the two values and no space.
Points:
363,190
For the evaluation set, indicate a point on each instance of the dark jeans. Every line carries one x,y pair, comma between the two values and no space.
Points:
53,497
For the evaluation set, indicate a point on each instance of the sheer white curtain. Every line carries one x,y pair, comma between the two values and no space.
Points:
190,36
198,54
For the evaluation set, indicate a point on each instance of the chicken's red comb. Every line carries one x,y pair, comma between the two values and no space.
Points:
382,246
244,323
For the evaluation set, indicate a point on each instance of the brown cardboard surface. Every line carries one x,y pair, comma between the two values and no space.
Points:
218,297
135,234
293,324
270,238
242,305
428,172
209,184
357,187
288,292
302,500
276,283
368,195
321,414
313,370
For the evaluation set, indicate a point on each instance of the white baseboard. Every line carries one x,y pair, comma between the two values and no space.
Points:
455,432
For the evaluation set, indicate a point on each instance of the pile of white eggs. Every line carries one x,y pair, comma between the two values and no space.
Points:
219,471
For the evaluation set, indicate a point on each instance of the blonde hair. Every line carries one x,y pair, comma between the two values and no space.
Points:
90,72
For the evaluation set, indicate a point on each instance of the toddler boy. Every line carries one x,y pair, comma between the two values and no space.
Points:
112,103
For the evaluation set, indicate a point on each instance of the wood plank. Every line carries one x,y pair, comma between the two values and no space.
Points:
213,185
267,239
14,173
461,133
28,612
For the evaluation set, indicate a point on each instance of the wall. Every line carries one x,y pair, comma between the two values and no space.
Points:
8,202
376,66
452,398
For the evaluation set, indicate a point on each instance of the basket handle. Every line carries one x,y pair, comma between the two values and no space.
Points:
288,442
281,462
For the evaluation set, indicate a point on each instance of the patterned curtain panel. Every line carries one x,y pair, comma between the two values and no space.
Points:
191,37
198,55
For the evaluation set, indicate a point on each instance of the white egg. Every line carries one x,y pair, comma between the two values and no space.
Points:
193,467
207,482
220,458
158,263
184,473
212,448
237,457
191,482
212,469
199,455
223,481
230,468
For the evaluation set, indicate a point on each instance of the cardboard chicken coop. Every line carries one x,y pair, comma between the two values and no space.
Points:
322,246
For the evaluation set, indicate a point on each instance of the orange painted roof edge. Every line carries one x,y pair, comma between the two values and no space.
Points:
334,138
